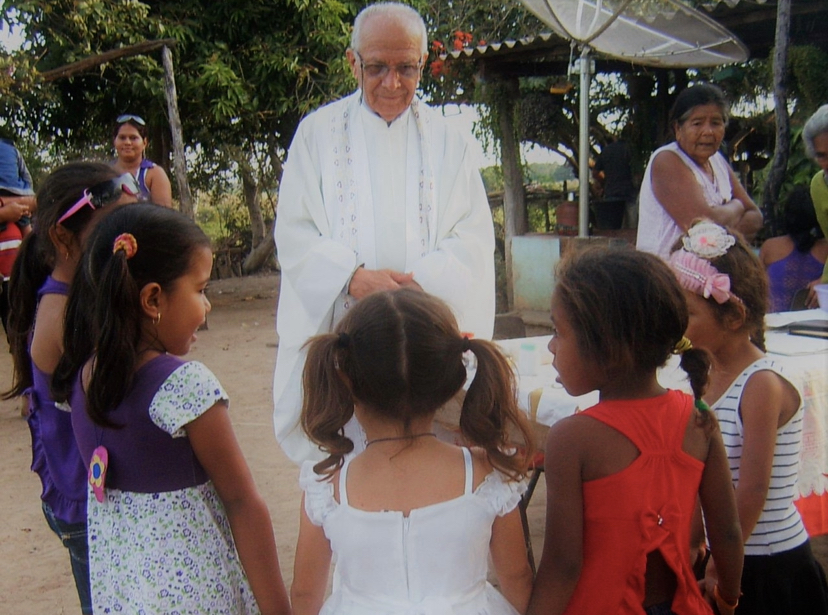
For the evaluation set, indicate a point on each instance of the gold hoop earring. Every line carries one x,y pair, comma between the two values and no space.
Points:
157,319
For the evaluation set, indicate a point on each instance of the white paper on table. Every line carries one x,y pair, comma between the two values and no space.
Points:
779,342
779,320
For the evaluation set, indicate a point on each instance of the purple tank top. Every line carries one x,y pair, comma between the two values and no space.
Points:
55,455
146,165
143,458
788,275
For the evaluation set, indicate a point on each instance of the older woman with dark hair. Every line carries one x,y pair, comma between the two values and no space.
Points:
815,136
130,136
689,178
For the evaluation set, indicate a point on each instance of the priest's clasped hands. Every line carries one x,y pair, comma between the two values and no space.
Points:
367,281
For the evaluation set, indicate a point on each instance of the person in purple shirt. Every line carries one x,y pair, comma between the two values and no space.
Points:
70,202
795,260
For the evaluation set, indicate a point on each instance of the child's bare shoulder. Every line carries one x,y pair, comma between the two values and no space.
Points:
572,435
480,461
575,427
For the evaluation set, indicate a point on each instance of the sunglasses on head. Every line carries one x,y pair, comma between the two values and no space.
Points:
127,117
103,194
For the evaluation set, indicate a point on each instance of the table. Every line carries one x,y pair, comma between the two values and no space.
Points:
804,359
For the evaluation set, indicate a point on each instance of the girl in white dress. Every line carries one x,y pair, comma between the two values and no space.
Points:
411,519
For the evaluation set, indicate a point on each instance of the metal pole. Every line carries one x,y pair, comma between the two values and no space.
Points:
583,148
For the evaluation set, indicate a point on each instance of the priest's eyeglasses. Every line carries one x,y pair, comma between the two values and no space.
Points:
379,70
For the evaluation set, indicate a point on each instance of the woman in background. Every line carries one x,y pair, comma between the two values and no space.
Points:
689,178
131,138
815,137
795,260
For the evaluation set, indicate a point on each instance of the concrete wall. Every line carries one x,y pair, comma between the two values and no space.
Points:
534,258
533,270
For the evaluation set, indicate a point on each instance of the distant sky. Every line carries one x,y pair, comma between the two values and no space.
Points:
10,40
465,116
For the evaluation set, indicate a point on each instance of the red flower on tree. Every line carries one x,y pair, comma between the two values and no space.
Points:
441,66
437,67
462,40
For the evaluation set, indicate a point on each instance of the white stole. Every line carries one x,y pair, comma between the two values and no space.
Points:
354,224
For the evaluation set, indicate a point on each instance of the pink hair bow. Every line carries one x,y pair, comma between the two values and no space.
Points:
717,286
700,276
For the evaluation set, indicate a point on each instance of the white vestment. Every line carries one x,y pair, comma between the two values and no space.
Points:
432,219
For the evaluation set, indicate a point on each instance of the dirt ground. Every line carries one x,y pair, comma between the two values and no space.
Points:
240,347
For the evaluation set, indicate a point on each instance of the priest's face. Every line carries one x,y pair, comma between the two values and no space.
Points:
387,65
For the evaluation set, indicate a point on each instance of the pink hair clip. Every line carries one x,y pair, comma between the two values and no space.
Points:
127,243
699,276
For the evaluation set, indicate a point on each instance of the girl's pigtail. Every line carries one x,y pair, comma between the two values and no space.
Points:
327,405
696,362
28,274
117,327
757,337
490,417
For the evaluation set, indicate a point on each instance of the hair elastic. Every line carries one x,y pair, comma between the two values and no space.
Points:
702,406
127,243
344,340
466,344
682,346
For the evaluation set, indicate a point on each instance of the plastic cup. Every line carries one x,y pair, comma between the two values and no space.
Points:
528,359
822,296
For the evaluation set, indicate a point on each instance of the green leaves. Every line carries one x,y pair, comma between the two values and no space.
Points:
245,69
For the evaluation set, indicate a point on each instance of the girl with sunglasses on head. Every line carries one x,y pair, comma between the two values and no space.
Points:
176,524
131,137
39,285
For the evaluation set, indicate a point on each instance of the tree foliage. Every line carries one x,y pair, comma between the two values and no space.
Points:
246,70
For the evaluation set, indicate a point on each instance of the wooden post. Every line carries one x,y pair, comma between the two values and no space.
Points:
514,199
179,162
779,163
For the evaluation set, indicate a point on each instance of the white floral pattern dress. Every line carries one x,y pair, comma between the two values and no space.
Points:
432,562
171,552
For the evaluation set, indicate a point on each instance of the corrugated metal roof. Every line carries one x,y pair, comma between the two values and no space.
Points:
526,43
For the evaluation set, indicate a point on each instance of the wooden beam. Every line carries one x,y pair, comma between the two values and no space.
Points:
70,70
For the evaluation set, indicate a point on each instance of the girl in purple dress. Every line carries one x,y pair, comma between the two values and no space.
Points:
70,202
176,524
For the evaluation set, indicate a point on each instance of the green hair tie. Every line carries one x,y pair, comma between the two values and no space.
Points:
701,406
